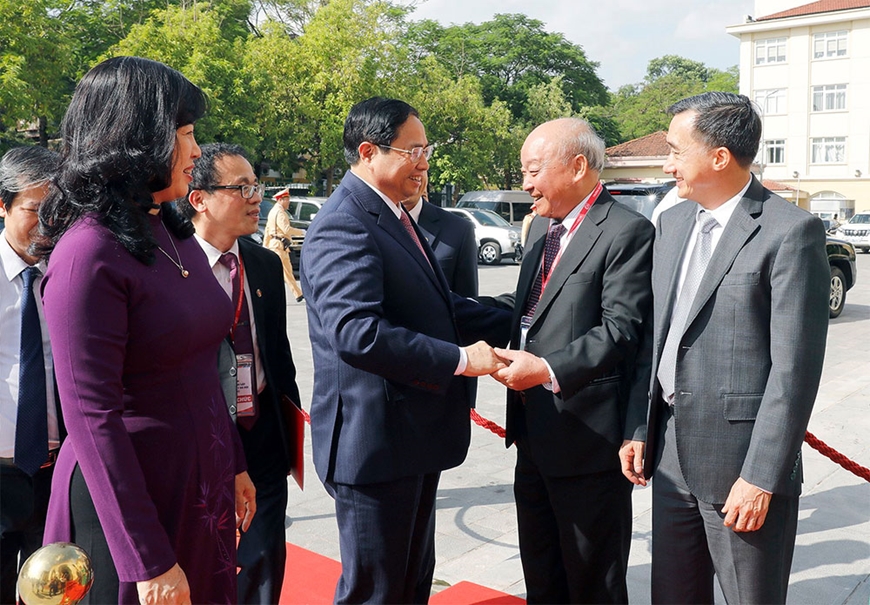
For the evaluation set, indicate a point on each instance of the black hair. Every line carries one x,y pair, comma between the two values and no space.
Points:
22,168
725,120
205,174
376,120
118,141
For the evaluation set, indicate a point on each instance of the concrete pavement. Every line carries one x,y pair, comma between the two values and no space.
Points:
476,522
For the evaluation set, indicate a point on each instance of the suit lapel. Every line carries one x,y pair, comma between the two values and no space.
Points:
433,224
672,240
256,304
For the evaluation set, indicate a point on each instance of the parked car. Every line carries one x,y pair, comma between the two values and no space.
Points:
496,238
303,209
511,205
640,197
841,257
856,231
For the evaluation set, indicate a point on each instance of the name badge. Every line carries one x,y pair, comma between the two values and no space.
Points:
525,324
245,385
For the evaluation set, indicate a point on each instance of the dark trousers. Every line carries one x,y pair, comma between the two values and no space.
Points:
387,540
574,534
262,551
690,543
23,504
87,532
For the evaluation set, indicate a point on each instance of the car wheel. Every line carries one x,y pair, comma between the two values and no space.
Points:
490,253
838,292
865,250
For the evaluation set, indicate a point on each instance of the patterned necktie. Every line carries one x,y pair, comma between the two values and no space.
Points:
406,223
243,340
31,425
701,254
551,250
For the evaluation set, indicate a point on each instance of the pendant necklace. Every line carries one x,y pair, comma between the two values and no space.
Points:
184,272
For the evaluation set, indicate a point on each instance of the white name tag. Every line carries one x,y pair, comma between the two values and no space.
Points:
245,385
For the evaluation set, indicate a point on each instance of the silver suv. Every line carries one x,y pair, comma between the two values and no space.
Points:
496,238
857,231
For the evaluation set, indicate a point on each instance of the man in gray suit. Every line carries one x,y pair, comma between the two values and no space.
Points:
740,289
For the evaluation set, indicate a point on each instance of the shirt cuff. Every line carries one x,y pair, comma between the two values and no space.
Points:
463,362
553,385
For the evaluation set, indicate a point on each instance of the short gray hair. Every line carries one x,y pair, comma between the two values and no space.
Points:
22,168
579,138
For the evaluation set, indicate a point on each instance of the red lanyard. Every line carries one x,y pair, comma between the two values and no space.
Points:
241,298
592,198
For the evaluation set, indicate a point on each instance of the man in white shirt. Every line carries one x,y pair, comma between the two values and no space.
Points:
28,440
256,365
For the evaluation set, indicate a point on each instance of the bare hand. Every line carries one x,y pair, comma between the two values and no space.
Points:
746,506
631,457
169,588
524,372
482,360
246,501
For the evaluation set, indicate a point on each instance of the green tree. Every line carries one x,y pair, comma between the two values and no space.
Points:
207,44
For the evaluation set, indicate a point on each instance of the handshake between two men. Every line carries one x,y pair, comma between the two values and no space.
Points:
517,370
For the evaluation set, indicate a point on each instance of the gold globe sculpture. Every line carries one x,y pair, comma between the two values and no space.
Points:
57,574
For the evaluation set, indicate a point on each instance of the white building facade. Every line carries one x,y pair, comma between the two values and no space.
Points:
807,66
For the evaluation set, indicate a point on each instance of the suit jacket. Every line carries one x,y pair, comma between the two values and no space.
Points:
384,332
268,304
588,325
750,359
453,242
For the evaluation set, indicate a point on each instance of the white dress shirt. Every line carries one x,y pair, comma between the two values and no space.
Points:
222,275
11,285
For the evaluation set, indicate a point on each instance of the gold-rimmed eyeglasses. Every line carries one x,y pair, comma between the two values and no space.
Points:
415,153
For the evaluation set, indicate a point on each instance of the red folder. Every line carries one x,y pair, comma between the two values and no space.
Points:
295,419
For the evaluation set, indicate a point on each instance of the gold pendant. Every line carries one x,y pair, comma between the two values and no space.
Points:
185,273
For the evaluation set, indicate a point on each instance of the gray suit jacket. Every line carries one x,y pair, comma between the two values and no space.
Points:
750,360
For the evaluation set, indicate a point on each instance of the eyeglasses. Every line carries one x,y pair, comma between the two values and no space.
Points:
415,153
247,191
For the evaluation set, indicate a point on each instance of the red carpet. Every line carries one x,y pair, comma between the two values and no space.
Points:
310,579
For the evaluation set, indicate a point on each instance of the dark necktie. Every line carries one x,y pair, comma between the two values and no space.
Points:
243,340
406,223
31,425
551,250
698,262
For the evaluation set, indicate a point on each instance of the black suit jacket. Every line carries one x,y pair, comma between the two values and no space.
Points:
588,325
268,304
453,242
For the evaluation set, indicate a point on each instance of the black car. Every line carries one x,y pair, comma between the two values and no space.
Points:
841,256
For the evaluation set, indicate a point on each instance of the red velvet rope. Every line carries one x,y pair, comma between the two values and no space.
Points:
813,441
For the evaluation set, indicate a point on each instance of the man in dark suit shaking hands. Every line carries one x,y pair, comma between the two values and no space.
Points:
391,399
741,286
255,361
582,296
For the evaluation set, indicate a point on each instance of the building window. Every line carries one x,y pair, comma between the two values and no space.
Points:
829,150
771,50
831,97
829,45
771,102
774,151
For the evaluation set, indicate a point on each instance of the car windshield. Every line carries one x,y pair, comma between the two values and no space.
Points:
488,218
643,203
860,219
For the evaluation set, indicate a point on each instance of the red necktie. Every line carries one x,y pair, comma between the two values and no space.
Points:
406,223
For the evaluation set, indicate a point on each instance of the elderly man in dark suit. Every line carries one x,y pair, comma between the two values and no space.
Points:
451,239
582,297
391,352
741,286
255,361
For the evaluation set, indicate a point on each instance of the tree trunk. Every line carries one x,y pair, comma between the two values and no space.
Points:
329,179
43,134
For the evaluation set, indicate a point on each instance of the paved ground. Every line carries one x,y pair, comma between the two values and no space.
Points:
476,524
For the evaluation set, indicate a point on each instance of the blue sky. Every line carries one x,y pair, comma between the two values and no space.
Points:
620,35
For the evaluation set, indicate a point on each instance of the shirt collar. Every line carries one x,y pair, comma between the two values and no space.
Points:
723,213
568,221
416,210
212,253
396,208
13,264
